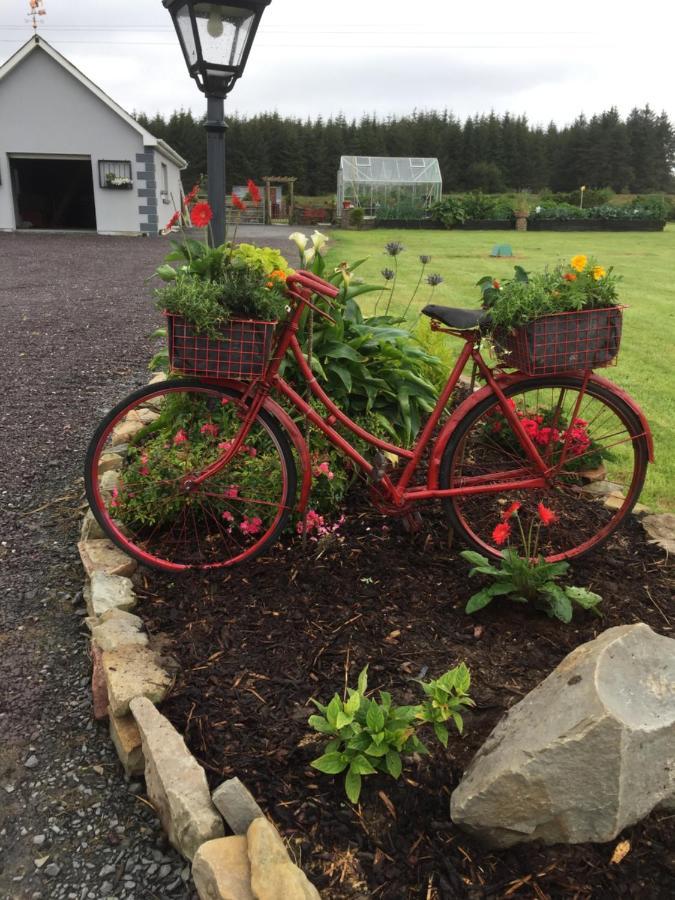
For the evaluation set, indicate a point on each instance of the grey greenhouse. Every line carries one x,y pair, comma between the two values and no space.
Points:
388,186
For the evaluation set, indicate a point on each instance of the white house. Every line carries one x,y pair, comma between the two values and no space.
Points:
71,158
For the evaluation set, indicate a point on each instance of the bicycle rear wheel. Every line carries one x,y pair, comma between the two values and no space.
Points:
140,461
593,488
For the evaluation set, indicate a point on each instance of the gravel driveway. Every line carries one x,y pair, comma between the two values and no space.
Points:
76,317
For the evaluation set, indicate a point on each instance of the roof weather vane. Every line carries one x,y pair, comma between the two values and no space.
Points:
36,9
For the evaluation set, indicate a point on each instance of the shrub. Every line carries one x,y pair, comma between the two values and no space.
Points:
450,211
356,217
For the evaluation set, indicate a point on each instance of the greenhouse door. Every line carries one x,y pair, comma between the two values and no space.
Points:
53,192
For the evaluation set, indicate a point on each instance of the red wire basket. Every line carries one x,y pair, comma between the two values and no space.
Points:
241,351
563,342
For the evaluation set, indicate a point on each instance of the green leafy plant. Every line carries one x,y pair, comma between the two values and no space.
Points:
450,211
527,578
368,736
356,217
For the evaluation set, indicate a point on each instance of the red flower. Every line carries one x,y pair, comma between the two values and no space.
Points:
174,220
501,533
201,215
253,191
209,428
180,436
546,515
506,515
237,202
570,276
546,435
191,196
496,285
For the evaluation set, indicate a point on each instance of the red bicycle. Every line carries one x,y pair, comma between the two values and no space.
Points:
203,472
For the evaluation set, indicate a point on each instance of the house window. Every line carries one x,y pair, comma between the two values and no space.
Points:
115,174
165,183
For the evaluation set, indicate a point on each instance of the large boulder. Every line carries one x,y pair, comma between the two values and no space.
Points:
585,754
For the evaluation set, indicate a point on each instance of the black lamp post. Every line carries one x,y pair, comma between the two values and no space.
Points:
216,38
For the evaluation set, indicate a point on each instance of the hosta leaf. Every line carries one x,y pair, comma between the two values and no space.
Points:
394,764
361,766
320,724
353,786
374,717
330,763
441,733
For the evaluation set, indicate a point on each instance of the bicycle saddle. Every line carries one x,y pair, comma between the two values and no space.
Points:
457,318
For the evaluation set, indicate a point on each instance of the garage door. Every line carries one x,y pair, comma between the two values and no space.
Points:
53,192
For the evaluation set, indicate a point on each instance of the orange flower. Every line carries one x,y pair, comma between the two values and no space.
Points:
515,506
570,276
579,262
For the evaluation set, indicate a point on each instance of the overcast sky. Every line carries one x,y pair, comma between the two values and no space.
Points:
550,61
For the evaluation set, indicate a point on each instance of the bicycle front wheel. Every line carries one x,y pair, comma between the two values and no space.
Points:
593,444
141,460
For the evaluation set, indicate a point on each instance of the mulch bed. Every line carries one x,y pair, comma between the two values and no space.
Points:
255,643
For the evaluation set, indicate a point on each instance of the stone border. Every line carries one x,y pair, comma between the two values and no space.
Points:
128,679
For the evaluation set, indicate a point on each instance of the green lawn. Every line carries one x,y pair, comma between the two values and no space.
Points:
645,260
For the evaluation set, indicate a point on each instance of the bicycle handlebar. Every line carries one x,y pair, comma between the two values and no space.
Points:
313,283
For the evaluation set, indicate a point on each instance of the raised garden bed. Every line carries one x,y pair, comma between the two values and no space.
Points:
257,642
595,225
487,225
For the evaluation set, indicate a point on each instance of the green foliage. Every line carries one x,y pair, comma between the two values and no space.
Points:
639,209
592,197
527,296
368,736
212,284
450,211
402,212
528,581
356,217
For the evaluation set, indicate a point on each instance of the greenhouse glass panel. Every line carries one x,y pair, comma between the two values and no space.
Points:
389,187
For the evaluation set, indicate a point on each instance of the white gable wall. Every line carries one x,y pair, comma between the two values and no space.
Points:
43,110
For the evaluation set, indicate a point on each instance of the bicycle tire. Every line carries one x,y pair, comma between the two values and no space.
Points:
571,496
225,526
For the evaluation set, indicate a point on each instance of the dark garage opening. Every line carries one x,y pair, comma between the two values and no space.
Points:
53,193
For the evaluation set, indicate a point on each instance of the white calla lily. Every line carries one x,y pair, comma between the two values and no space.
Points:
308,256
299,239
319,241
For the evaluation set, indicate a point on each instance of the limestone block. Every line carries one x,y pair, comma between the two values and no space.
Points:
109,462
91,530
585,754
119,633
127,740
104,556
273,875
221,870
236,805
125,431
106,592
175,781
99,690
130,672
661,530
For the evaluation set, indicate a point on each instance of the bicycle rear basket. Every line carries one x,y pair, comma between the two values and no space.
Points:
241,350
563,342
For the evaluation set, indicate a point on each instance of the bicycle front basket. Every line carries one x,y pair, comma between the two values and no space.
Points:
563,342
241,351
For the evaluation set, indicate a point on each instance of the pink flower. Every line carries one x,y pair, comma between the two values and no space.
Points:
228,516
252,452
232,491
224,445
180,437
324,469
530,426
115,495
224,401
210,428
251,526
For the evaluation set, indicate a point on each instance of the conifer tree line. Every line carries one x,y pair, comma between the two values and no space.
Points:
488,152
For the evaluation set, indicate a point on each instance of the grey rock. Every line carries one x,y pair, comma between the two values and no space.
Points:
52,870
661,530
39,839
236,805
31,762
585,754
175,781
105,592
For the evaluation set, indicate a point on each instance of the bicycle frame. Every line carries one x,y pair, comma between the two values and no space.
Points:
400,492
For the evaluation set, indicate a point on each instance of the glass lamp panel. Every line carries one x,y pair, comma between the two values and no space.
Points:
223,33
184,23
